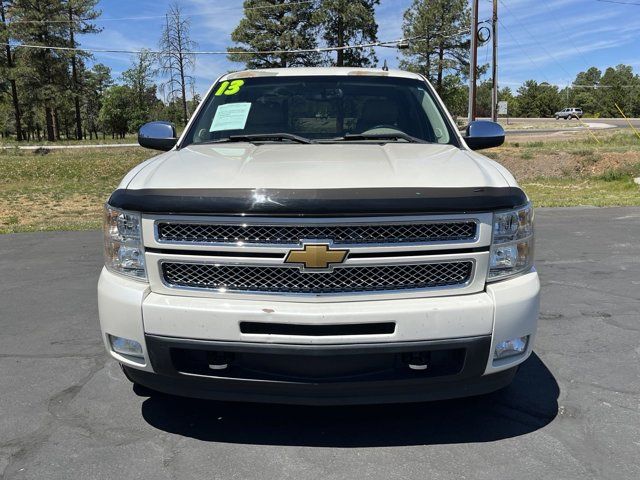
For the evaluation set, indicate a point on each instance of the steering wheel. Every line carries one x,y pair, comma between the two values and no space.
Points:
383,125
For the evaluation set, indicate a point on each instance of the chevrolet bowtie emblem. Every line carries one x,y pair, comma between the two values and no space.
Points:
316,257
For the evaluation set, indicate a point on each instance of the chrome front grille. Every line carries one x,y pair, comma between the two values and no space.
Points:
388,257
290,234
347,279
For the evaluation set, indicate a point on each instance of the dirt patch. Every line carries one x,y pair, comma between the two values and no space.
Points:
527,164
613,161
524,165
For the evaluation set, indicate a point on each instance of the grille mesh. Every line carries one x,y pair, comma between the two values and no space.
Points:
293,280
292,234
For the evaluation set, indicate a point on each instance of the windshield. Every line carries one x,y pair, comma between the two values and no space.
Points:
321,108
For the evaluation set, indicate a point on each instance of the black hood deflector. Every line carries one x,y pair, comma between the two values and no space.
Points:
320,202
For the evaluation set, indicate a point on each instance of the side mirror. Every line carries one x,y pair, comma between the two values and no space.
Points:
482,134
158,136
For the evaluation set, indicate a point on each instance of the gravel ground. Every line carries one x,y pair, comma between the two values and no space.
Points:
573,412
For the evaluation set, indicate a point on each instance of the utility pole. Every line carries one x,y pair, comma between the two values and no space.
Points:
494,74
473,64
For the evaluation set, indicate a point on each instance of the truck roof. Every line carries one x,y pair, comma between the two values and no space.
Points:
321,71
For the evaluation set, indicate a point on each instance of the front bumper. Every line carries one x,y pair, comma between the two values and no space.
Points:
299,375
372,367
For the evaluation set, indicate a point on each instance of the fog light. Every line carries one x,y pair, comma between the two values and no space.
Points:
126,347
509,348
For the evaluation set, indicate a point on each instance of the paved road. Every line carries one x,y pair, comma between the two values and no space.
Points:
618,122
573,412
562,126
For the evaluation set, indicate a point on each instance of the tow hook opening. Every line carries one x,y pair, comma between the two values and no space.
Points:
219,360
417,360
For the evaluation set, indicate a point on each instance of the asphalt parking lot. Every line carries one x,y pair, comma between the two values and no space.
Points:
67,412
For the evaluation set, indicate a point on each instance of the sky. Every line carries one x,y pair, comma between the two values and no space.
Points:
544,40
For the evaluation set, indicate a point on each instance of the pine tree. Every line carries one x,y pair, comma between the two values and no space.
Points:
348,22
7,63
80,13
96,82
43,22
116,111
538,99
620,88
276,25
175,60
440,33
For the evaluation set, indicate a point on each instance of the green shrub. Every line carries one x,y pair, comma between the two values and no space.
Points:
614,175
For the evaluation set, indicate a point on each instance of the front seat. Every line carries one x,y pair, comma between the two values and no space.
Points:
265,117
377,112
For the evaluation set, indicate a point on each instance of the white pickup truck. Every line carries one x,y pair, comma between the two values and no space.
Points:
319,236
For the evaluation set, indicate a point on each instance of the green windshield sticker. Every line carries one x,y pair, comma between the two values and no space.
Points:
232,116
229,88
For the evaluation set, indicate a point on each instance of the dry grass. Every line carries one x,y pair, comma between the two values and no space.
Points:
65,189
570,157
597,192
61,189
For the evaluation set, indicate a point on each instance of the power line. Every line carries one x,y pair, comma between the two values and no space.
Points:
569,86
149,17
522,49
596,87
201,52
569,76
568,34
222,52
154,17
619,2
386,43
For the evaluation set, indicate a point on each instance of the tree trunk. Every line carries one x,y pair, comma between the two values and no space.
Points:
428,63
56,124
78,118
74,77
48,115
440,68
185,112
340,38
16,109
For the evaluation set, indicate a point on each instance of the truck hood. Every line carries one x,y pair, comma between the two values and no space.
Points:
317,166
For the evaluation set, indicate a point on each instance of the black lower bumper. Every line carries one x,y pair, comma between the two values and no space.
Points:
320,374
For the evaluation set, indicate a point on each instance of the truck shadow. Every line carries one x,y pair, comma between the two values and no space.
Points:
528,404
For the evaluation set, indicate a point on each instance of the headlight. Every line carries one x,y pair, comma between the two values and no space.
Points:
123,250
512,244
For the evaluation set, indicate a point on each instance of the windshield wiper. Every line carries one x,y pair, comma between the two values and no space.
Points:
253,137
381,136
